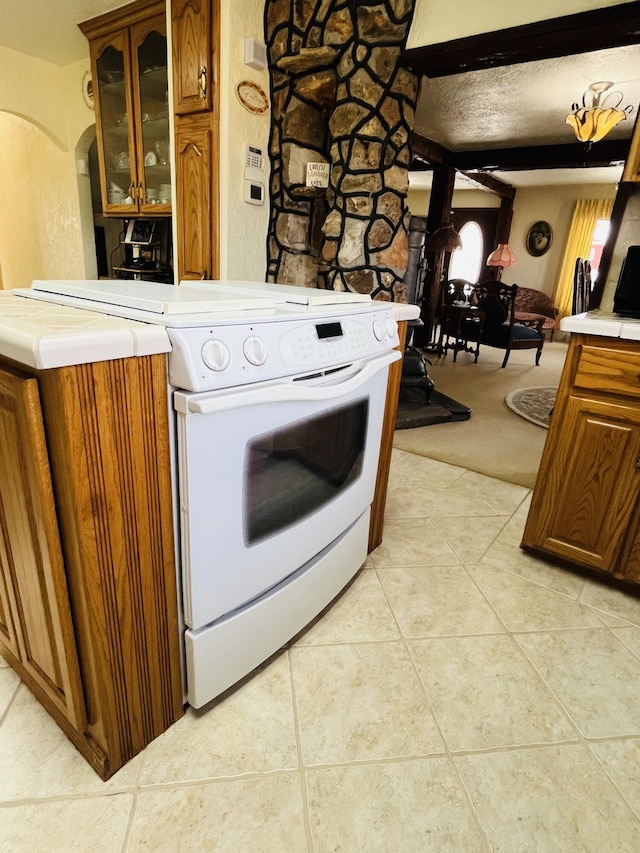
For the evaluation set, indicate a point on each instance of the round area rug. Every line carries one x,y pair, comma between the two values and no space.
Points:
534,404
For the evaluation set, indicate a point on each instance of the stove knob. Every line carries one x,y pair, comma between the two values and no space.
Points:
379,329
216,355
255,350
392,327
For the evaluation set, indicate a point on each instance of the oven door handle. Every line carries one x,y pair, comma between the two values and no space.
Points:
282,392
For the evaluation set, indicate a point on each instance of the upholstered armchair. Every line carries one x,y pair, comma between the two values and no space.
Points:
499,328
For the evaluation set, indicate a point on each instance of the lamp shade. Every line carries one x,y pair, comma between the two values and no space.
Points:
444,239
594,124
598,115
502,256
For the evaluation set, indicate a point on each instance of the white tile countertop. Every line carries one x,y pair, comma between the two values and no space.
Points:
44,335
602,323
404,311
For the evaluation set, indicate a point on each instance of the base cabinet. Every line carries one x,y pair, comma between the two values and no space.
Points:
88,598
586,504
35,614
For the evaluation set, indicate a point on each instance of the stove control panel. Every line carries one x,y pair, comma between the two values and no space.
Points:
224,355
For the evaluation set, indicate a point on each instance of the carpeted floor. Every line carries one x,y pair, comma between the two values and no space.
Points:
495,440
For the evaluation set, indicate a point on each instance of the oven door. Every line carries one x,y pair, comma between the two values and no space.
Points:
269,475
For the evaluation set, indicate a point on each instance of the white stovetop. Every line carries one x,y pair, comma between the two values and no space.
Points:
44,335
51,331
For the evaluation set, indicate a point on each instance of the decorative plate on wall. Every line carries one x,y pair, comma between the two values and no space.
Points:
252,97
87,89
539,238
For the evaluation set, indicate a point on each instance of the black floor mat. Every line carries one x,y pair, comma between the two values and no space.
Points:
412,411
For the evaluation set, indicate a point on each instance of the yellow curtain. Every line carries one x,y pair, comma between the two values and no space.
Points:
585,216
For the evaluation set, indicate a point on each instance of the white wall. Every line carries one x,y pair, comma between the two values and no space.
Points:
436,21
243,226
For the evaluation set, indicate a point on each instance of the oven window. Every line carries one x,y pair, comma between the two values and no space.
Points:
293,471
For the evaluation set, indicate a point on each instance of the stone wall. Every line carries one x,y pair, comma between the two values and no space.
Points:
340,95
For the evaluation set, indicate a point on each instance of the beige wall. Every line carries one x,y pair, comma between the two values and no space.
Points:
436,21
553,204
42,117
418,200
40,231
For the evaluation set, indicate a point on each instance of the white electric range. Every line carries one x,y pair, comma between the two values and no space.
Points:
277,397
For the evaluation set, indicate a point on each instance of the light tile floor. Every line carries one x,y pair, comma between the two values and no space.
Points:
459,696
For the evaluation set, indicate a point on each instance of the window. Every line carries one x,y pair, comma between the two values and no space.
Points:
467,262
598,240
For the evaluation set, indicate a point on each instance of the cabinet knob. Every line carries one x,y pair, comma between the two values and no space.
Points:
637,463
203,82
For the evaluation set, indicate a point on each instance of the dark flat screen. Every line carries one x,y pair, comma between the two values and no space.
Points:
329,330
627,296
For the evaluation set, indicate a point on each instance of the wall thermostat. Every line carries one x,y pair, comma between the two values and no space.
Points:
253,192
253,164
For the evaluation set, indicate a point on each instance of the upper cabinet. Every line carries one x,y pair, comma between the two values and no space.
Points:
195,37
191,22
130,73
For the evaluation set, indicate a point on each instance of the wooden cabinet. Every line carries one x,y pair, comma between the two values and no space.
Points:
195,40
35,615
130,73
88,590
192,34
586,503
194,223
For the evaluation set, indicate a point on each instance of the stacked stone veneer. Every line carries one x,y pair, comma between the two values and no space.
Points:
340,95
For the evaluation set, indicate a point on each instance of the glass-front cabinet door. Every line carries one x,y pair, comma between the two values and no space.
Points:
150,71
132,117
114,110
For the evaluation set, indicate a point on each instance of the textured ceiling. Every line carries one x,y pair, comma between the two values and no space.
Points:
501,107
48,29
523,104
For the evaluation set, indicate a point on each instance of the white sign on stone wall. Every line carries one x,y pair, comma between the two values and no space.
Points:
318,175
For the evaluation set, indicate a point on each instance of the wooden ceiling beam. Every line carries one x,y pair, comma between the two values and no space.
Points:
568,156
500,188
429,151
613,26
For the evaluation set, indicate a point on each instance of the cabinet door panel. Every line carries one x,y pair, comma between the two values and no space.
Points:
595,485
115,136
151,109
33,571
8,635
192,52
193,185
